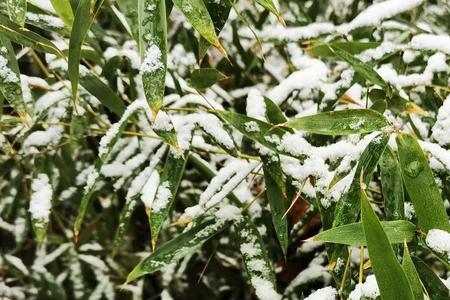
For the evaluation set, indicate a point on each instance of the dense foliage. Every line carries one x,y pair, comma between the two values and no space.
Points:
221,149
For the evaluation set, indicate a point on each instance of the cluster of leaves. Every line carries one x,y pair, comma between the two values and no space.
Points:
265,150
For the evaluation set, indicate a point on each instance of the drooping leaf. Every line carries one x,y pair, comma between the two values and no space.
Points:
219,12
364,69
352,234
277,200
102,92
270,6
10,84
17,10
206,77
273,112
197,14
411,274
390,276
343,122
433,284
84,17
178,247
153,49
352,47
27,38
130,11
420,185
165,194
392,186
64,11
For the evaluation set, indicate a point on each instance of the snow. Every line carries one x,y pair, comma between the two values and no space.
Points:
48,20
367,290
434,42
162,122
152,60
264,289
439,241
228,213
6,74
441,129
256,107
163,196
149,190
41,198
326,293
251,126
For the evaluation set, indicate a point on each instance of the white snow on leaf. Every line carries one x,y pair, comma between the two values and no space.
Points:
41,198
439,241
326,293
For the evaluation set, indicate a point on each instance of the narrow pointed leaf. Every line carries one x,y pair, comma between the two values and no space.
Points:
270,6
277,201
178,247
153,48
353,234
411,274
273,112
433,284
390,276
17,10
352,47
392,186
64,11
365,70
420,185
206,77
10,84
343,122
197,14
166,192
84,17
27,38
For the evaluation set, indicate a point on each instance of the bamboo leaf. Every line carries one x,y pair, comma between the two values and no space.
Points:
17,10
153,48
364,69
277,200
270,6
197,14
84,17
353,234
433,284
206,77
352,47
392,186
27,38
178,247
166,192
411,274
343,122
420,185
273,112
130,11
10,84
256,260
64,11
390,276
219,12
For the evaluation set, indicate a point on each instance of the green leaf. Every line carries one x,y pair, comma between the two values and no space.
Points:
257,263
27,38
153,48
267,135
277,200
433,284
273,112
166,192
206,77
411,274
364,69
178,247
352,234
130,11
420,185
197,14
219,12
391,279
270,6
102,92
352,47
84,17
342,122
392,186
64,11
17,9
10,84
